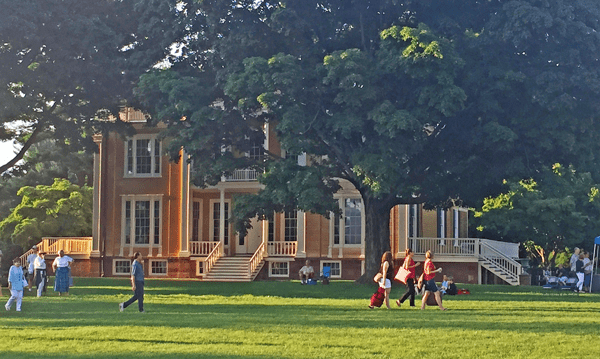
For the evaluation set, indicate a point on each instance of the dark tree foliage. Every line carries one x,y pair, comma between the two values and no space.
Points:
425,101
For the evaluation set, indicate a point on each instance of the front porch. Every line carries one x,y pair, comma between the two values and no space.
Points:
497,257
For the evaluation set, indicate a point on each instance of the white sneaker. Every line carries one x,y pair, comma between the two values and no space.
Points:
18,310
121,307
7,308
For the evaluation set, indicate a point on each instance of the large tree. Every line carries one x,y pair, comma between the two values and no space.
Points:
62,209
415,102
66,65
558,211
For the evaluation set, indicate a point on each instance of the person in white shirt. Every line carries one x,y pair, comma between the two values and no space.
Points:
30,266
306,273
62,270
574,259
41,277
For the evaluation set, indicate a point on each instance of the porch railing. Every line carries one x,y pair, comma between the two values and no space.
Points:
52,245
213,257
282,249
242,175
256,259
459,247
202,248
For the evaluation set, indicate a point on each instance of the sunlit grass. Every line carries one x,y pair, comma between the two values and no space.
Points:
286,320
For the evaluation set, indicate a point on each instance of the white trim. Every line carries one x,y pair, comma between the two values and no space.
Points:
332,261
132,244
279,275
152,137
157,274
211,226
114,266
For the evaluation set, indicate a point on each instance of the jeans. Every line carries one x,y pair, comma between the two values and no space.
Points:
410,292
138,295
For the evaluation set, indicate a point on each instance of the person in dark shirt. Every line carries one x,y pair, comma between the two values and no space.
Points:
452,290
137,283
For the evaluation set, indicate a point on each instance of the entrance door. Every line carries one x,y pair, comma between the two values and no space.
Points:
250,243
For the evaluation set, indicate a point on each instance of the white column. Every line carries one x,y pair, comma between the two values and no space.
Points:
96,224
301,252
265,236
185,207
222,217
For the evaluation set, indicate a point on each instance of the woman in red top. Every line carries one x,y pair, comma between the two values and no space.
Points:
410,266
429,272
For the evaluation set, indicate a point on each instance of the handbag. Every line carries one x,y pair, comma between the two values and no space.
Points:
402,275
25,283
377,277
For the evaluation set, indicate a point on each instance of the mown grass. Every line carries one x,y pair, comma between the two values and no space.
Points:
191,319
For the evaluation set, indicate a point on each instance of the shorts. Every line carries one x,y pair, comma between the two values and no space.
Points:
387,284
431,286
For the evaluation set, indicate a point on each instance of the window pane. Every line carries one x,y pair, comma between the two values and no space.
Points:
196,222
130,157
159,267
143,156
122,267
291,226
353,221
156,156
128,222
142,222
156,222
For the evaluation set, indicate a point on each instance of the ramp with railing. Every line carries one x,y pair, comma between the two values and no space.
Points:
495,256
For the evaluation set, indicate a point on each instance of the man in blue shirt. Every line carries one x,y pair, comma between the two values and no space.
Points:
137,283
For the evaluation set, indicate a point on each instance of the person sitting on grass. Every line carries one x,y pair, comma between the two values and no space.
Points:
444,285
452,290
306,273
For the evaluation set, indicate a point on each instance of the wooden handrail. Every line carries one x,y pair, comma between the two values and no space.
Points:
213,257
256,259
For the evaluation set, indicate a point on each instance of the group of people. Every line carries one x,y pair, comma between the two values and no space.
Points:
582,266
426,282
36,275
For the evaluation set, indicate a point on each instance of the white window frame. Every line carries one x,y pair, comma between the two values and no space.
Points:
211,229
153,161
323,264
284,226
138,198
200,216
158,274
271,275
342,224
114,267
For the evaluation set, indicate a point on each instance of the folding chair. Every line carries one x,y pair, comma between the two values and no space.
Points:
551,283
570,284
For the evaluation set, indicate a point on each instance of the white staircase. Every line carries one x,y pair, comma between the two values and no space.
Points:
499,264
232,269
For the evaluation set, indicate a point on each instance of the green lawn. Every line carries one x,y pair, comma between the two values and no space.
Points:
286,320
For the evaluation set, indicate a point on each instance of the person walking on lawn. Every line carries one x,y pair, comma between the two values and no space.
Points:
137,283
429,278
15,285
409,264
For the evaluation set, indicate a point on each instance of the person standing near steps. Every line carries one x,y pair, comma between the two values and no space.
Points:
137,283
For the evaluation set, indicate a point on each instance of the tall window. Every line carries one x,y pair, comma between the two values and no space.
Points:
195,221
336,229
291,226
413,220
142,220
271,229
441,223
143,156
353,221
217,222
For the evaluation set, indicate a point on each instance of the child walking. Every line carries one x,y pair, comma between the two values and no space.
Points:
15,285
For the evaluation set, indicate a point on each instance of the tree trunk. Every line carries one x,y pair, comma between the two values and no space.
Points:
377,235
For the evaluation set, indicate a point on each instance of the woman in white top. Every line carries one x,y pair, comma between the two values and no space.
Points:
41,276
62,270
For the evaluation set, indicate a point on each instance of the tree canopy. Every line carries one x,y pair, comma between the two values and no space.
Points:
416,102
62,209
66,65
